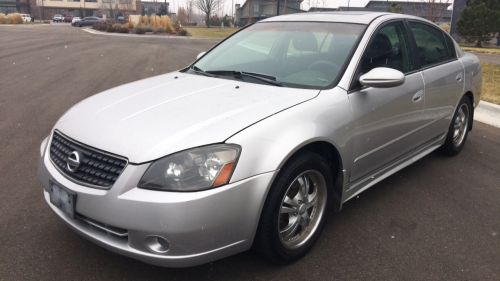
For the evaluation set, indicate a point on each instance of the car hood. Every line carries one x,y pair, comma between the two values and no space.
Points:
154,117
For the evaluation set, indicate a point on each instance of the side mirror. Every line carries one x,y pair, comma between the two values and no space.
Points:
382,77
200,55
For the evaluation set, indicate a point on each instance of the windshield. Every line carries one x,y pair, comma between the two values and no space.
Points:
296,54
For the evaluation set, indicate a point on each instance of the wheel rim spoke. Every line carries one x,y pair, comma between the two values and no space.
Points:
290,229
287,210
291,202
301,194
312,200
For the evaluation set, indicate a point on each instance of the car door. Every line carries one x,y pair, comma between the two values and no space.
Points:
385,119
443,76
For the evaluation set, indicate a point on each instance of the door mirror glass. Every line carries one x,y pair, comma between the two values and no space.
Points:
200,55
382,77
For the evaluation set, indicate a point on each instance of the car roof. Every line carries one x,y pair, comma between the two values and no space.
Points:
345,17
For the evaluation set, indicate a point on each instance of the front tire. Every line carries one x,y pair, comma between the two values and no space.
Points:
296,209
459,128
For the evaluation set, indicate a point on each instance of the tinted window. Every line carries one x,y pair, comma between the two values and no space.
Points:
431,44
389,47
451,47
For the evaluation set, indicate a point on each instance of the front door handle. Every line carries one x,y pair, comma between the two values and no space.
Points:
418,96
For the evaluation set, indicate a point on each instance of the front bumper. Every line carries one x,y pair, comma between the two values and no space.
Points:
200,226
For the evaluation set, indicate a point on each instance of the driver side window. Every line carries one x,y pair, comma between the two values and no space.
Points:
389,47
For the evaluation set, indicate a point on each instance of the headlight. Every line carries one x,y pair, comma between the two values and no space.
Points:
192,170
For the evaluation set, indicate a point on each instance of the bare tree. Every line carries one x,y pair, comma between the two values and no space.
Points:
189,10
208,7
433,10
128,6
109,6
182,15
316,4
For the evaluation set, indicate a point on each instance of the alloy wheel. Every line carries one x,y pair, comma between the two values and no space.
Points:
461,124
301,209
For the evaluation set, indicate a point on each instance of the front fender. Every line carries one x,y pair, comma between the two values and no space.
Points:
268,144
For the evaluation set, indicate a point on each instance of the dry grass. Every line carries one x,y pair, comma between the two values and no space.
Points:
155,21
446,27
165,23
145,20
3,20
210,32
491,79
484,50
129,25
15,19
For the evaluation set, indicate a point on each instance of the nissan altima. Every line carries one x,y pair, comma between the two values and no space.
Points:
253,144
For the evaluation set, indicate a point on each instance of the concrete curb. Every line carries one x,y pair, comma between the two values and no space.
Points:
92,31
488,113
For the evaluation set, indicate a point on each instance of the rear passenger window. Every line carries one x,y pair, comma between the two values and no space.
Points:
431,44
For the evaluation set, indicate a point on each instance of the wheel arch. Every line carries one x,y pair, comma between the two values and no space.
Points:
333,157
470,96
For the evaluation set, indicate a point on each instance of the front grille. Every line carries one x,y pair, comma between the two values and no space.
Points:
97,169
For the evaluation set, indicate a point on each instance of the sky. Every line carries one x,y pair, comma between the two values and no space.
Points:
174,4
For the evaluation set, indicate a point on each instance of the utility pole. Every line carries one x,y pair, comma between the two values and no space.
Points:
278,12
232,12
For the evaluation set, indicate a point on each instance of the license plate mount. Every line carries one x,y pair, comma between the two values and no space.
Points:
63,198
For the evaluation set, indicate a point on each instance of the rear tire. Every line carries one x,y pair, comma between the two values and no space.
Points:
295,210
459,128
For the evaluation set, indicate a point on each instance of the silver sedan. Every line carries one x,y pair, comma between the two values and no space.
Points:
255,142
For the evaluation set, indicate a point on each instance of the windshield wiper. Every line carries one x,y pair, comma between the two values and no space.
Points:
198,70
271,80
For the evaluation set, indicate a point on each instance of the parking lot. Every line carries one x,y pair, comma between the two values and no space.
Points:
438,219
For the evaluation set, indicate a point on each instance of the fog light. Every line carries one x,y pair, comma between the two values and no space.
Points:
157,244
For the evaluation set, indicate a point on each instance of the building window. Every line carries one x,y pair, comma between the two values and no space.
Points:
256,8
108,1
73,0
8,9
125,1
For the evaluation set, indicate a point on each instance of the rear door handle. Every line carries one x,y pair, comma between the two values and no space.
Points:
459,77
418,96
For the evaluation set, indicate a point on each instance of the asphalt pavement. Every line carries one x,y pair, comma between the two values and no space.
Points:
438,219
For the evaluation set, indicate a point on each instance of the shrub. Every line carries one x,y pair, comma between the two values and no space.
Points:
46,22
139,30
110,28
121,29
146,20
183,32
129,25
101,27
140,20
15,18
3,20
161,30
148,28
